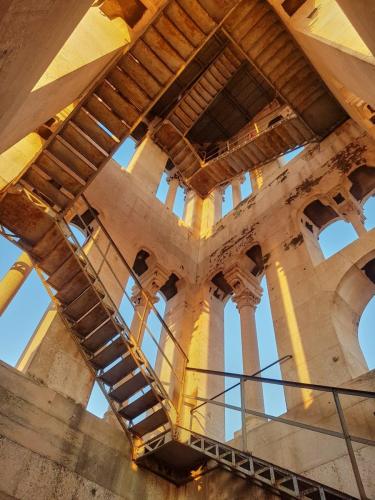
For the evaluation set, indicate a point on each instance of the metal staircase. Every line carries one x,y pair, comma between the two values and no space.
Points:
193,451
129,382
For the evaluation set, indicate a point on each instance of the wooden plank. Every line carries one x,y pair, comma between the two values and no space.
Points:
105,116
79,142
90,126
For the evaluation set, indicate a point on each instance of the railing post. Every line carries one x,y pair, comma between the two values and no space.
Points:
349,446
243,415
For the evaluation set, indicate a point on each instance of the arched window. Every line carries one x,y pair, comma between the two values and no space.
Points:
23,314
366,334
125,152
179,202
227,201
369,213
335,237
246,187
162,191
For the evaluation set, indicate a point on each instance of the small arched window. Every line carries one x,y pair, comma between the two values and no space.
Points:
335,237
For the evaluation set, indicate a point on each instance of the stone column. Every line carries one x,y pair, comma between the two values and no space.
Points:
172,191
246,295
13,280
218,204
142,308
236,191
151,281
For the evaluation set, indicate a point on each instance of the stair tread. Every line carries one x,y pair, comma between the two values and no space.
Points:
140,405
120,370
101,335
83,303
129,387
150,423
107,355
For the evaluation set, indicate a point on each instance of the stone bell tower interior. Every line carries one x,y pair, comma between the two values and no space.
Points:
187,218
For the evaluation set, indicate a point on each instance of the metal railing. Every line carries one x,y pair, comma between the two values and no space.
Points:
335,392
102,252
252,132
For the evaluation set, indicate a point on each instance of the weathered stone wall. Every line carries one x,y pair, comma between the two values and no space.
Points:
50,448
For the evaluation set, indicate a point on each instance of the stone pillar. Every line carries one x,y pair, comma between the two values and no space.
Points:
246,295
236,191
147,154
172,191
218,204
53,357
170,366
142,308
151,281
13,280
206,350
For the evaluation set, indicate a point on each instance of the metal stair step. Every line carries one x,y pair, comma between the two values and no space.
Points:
34,181
47,242
150,423
59,172
83,303
101,335
91,319
65,273
83,144
140,405
58,254
119,371
102,112
129,387
108,354
72,158
91,127
73,288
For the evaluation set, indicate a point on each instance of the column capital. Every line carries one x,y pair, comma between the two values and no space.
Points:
245,286
246,298
154,278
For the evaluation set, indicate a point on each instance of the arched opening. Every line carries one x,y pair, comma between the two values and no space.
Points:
335,237
246,187
162,191
226,206
179,202
369,213
366,333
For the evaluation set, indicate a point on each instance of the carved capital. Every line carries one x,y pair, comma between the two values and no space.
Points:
246,299
245,286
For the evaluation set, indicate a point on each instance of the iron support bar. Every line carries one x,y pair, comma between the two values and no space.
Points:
348,441
289,383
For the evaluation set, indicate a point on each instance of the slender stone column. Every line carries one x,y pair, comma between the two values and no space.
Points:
218,204
142,308
236,191
246,295
13,280
246,303
172,191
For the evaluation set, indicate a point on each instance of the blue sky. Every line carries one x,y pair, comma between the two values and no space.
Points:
22,316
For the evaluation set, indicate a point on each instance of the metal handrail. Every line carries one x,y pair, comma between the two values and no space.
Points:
134,276
289,383
335,391
281,360
244,138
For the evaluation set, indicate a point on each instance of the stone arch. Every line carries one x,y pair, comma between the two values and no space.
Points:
362,181
353,292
